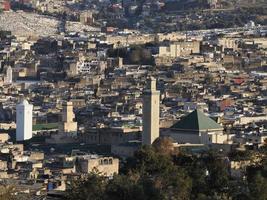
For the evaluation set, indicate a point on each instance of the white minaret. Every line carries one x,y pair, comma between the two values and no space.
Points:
24,121
9,77
150,113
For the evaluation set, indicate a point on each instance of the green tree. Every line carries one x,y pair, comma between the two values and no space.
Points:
148,162
258,187
218,174
91,187
124,188
164,145
140,55
149,175
172,181
135,56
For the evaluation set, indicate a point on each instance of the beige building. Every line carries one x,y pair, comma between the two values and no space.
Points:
36,156
110,136
122,41
87,18
261,41
78,103
3,165
165,61
67,128
107,166
115,62
72,69
4,137
175,36
150,113
228,43
68,125
181,48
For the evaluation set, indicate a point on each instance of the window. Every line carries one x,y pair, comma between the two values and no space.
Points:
105,161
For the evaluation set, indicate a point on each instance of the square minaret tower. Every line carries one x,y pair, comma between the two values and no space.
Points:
150,112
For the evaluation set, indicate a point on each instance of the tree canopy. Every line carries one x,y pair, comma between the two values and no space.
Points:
155,172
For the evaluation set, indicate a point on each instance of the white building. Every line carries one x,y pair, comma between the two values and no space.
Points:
24,121
150,113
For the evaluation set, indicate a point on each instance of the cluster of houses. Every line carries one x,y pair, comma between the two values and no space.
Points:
89,107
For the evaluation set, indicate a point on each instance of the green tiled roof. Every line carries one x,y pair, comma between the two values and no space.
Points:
196,120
